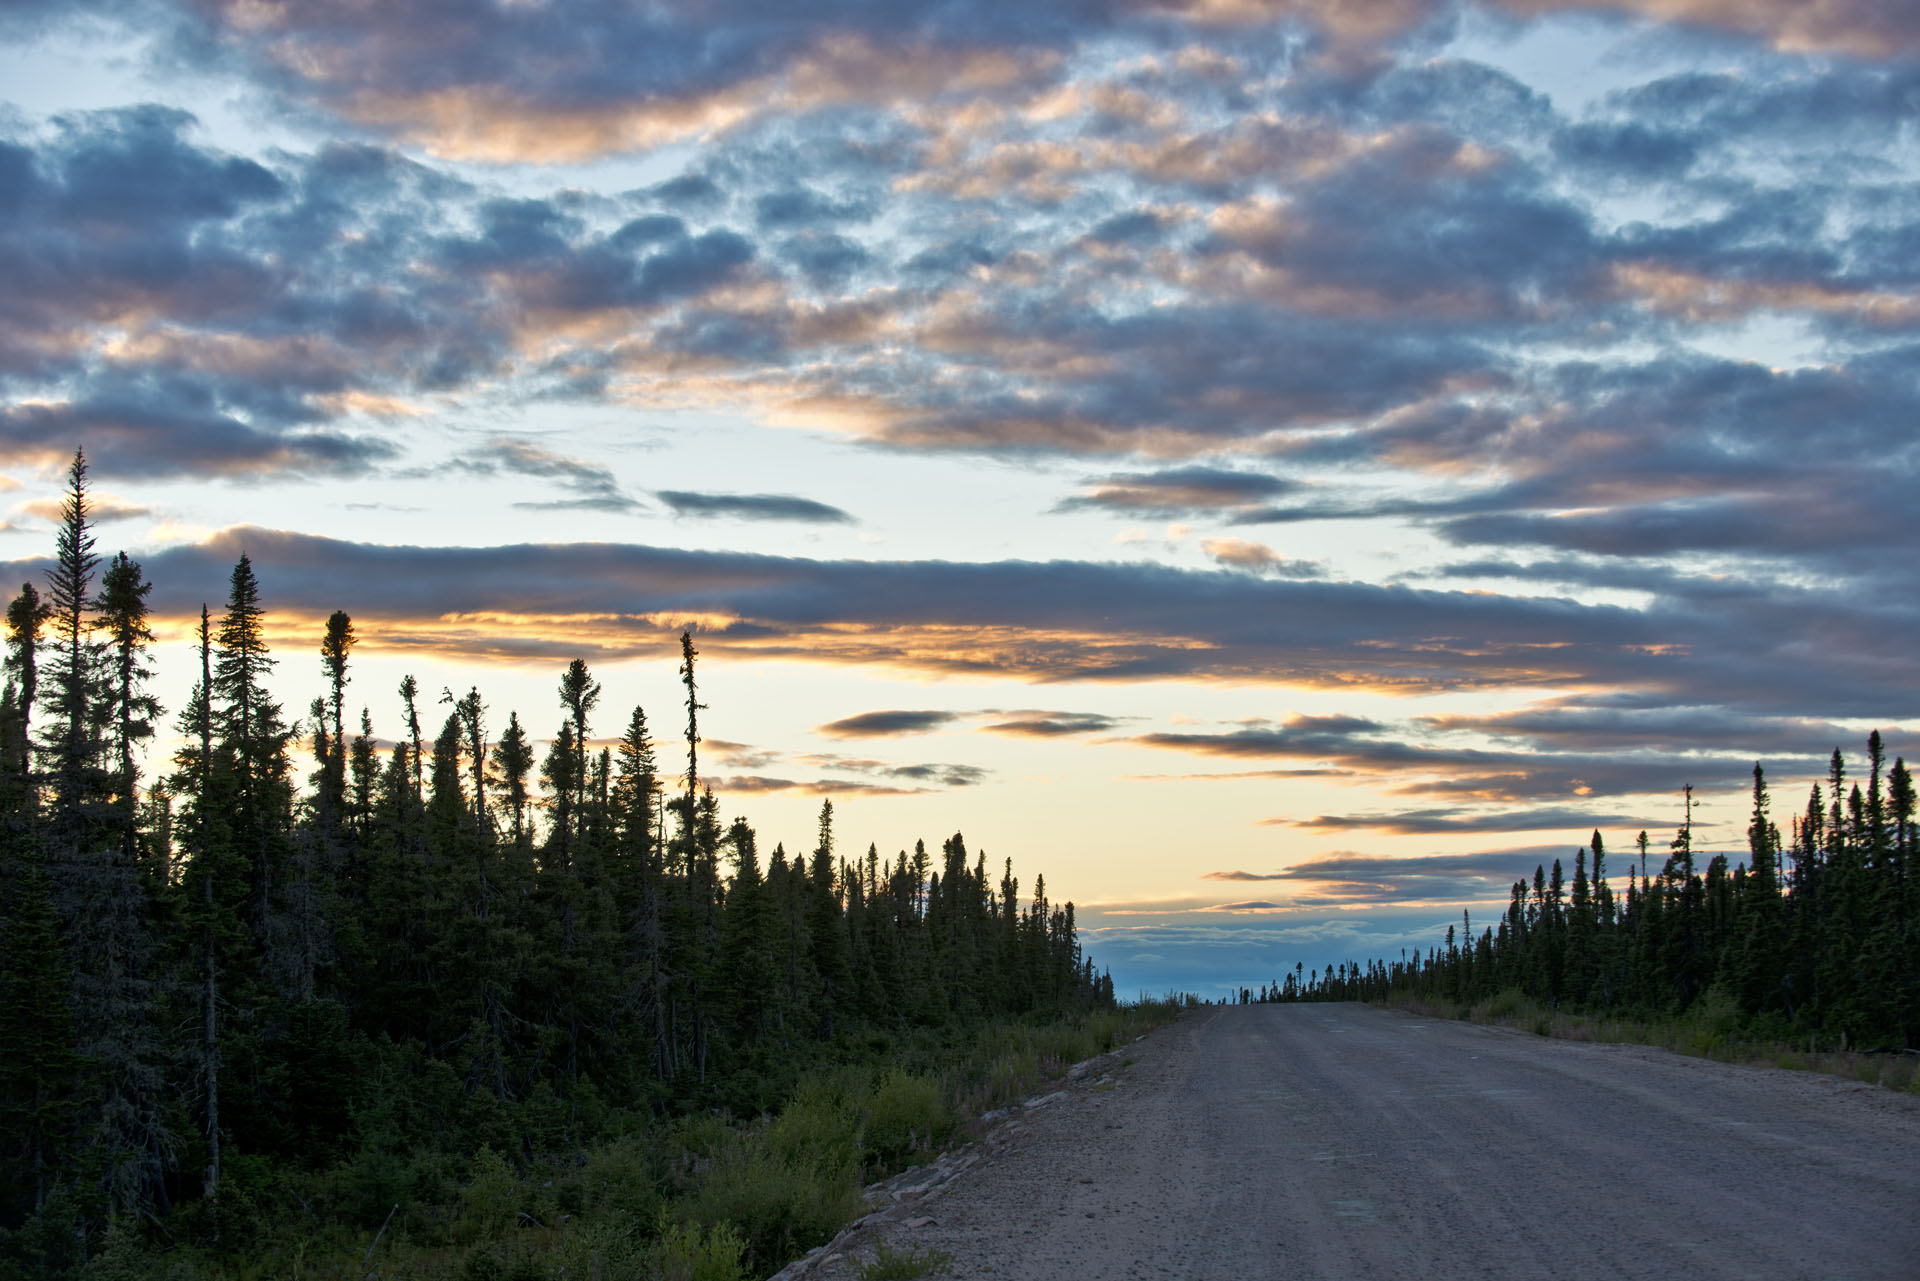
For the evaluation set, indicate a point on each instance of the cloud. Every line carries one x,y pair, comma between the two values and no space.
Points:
187,312
1238,553
848,776
102,508
800,206
1239,775
592,484
824,259
885,724
295,298
942,775
1414,764
1053,724
1866,28
502,84
753,507
1432,821
1052,622
760,785
1185,489
1059,621
151,431
1631,150
1625,721
1346,878
738,755
1133,227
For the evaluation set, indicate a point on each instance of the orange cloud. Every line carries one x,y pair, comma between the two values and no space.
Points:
1701,299
1864,28
497,124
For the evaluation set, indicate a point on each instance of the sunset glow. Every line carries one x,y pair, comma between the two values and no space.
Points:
1281,470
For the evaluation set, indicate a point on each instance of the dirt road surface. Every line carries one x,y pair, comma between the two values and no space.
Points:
1343,1142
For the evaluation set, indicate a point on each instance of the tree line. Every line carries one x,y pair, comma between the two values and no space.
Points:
200,969
1814,935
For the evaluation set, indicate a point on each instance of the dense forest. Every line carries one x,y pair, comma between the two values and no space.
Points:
1816,936
295,947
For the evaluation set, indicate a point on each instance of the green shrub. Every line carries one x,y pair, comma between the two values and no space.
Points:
889,1264
821,1126
490,1202
1506,1004
123,1257
1713,1021
622,1177
1012,1076
688,1252
781,1202
907,1120
368,1185
503,1263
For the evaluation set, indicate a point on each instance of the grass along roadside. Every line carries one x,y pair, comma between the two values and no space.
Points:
784,1184
1711,1029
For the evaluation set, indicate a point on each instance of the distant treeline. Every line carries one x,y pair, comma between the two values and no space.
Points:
1815,936
291,946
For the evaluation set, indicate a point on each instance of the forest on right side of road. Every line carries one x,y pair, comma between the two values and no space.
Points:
1814,939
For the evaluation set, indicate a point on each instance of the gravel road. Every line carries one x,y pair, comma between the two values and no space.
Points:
1339,1141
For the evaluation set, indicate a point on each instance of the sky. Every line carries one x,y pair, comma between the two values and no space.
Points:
1280,470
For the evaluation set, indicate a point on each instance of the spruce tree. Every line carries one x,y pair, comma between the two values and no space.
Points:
212,905
1754,962
335,647
409,693
641,887
826,929
579,694
513,757
71,745
98,889
121,612
253,736
26,615
472,714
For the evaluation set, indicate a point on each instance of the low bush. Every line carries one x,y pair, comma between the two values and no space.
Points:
779,1196
889,1264
908,1119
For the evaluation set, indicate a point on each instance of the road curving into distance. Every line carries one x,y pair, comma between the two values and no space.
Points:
1343,1142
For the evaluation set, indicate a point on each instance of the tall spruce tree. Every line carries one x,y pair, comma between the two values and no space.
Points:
253,736
513,757
71,745
336,646
121,613
212,906
579,694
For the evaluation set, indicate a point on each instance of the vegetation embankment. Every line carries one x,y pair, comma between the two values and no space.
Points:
1805,954
1712,1029
450,1005
531,1192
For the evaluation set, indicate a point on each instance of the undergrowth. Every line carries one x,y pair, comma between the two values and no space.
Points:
542,1189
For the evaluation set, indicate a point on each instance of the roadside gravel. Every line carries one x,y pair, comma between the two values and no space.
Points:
1339,1141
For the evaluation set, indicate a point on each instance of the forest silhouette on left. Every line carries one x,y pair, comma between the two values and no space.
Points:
293,955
